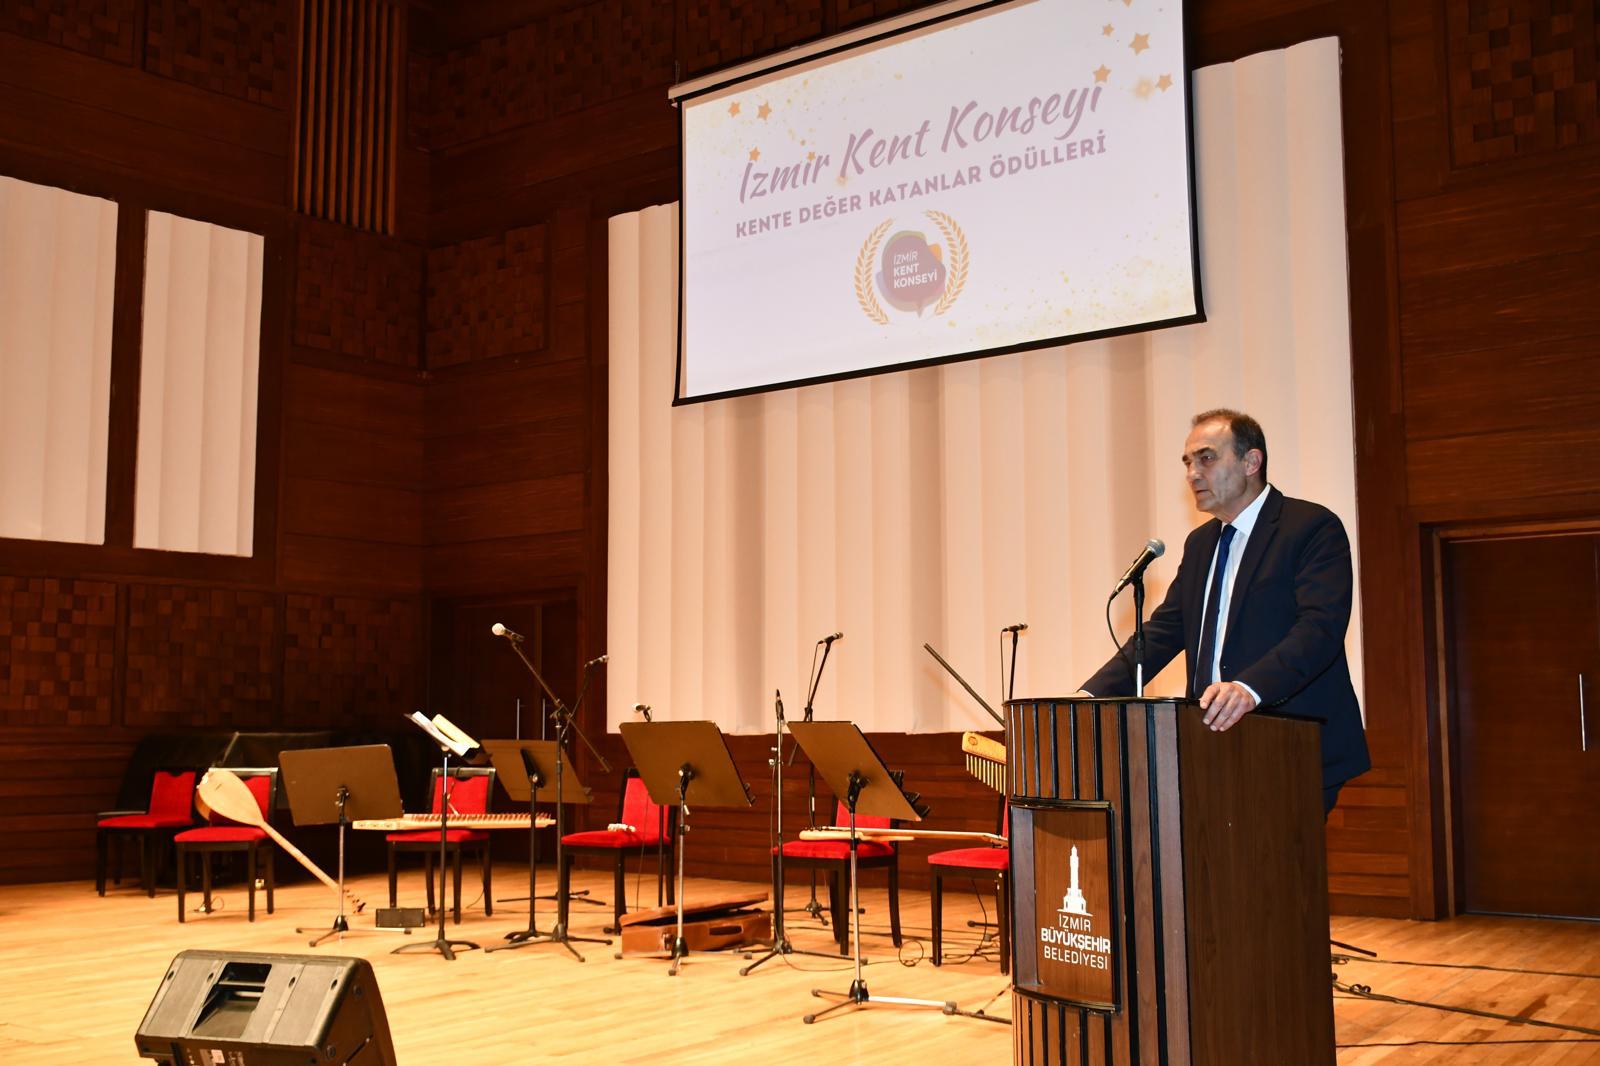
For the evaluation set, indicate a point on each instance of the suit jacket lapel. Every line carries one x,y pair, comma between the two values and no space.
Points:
1265,529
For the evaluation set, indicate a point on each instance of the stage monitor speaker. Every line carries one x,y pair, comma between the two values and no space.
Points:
244,1008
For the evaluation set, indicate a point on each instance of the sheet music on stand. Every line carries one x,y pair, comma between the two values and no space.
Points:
445,733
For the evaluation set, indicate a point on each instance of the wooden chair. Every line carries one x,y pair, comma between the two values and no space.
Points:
833,858
652,824
171,808
471,791
222,834
978,864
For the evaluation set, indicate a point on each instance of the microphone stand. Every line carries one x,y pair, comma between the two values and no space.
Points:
1138,635
566,721
814,908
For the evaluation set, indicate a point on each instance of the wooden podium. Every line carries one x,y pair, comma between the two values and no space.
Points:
1170,886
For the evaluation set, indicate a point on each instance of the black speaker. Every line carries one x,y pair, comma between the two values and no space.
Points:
242,1008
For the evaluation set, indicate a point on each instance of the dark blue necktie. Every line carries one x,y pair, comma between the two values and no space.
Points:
1208,622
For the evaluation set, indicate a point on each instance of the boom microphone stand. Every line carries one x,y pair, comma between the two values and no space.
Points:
812,907
566,722
780,938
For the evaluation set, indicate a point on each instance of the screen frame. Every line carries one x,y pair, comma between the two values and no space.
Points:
887,29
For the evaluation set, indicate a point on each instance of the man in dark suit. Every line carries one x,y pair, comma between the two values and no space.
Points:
1261,602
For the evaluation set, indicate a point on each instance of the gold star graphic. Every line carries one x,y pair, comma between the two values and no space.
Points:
1102,74
1164,82
1107,29
1144,89
733,108
763,111
810,156
1127,3
755,154
1141,41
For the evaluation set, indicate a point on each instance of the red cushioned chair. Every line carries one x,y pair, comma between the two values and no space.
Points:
652,825
833,858
978,864
470,793
171,809
223,834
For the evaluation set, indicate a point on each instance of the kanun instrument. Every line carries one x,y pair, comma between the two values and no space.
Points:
897,834
407,823
986,759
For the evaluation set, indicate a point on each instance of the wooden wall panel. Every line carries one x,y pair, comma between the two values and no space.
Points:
201,657
105,29
243,48
358,294
58,642
350,661
719,33
487,297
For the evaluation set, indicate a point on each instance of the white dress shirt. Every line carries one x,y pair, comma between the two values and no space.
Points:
1242,527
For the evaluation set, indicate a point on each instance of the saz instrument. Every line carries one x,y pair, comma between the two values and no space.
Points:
986,759
409,822
223,792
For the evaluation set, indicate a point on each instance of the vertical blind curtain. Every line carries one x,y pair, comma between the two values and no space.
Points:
58,256
941,504
197,388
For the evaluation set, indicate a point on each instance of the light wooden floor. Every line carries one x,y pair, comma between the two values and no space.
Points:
77,972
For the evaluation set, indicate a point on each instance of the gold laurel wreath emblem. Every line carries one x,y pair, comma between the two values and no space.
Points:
865,296
960,259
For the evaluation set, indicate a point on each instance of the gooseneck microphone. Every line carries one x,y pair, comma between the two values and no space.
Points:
595,662
510,634
644,709
1153,550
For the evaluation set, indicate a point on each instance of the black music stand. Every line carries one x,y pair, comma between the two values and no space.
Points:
677,759
336,786
449,741
846,761
534,772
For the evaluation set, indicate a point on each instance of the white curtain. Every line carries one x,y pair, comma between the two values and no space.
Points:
58,257
941,504
198,384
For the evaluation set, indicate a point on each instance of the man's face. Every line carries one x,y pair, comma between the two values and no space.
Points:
1219,479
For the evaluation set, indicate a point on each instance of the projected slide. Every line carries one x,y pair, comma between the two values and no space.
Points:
1008,178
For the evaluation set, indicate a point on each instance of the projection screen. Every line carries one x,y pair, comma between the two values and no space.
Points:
989,179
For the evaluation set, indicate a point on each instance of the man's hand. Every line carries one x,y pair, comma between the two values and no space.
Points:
1225,702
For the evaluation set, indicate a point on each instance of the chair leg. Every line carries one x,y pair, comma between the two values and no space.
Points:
937,899
427,876
455,883
839,907
894,901
619,892
1003,915
100,861
391,876
271,875
205,876
671,874
488,882
250,879
183,878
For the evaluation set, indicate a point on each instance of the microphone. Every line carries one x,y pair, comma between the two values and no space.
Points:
830,638
510,634
644,709
1018,628
1153,550
595,662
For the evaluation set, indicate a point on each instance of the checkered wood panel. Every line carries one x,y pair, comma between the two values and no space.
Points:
243,48
100,28
58,641
1523,77
200,657
486,297
848,14
608,49
357,293
719,32
349,660
489,86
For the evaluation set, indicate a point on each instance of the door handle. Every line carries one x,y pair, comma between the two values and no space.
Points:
1583,719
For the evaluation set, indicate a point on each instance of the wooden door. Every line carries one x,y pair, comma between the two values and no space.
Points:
1523,650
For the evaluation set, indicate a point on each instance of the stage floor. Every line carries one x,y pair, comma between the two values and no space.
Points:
77,972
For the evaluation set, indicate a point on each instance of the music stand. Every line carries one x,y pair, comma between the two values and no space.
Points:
677,759
450,740
337,786
846,761
533,772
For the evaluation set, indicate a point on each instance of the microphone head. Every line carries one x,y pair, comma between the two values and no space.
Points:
498,630
602,658
1155,547
831,637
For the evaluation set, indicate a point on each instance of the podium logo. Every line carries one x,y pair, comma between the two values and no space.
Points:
1073,940
911,273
